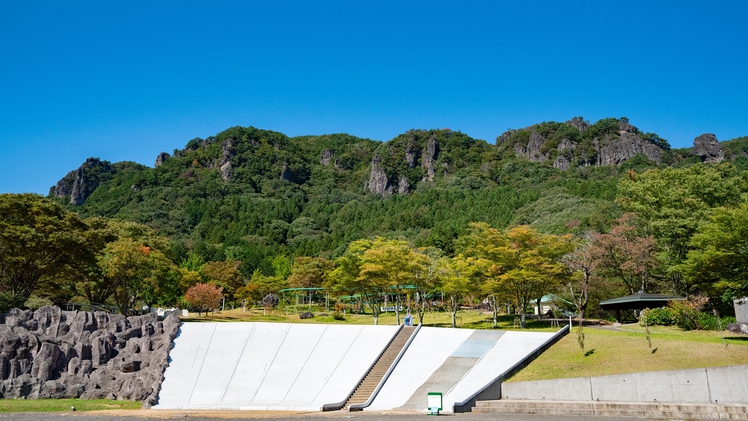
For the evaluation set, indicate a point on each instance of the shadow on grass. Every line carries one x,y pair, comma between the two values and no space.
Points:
737,338
590,352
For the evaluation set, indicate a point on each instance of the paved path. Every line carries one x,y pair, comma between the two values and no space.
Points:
146,415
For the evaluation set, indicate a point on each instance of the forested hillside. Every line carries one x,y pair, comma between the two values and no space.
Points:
259,200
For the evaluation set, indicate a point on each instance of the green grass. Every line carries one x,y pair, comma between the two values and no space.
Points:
627,351
468,319
61,405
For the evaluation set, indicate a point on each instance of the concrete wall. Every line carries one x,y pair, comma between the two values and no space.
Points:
704,385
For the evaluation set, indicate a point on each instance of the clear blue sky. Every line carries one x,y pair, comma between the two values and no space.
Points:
125,80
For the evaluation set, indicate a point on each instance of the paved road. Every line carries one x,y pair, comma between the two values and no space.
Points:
148,415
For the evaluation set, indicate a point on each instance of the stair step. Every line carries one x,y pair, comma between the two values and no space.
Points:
372,379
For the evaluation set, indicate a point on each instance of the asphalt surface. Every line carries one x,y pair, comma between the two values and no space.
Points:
147,415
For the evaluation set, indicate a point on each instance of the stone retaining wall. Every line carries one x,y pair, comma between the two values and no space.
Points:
51,353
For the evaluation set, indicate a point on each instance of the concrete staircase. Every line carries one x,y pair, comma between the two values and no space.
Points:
616,409
370,382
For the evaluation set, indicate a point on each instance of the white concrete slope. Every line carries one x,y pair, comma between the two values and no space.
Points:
434,358
268,366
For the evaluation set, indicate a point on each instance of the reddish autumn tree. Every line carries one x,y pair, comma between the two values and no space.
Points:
204,297
626,255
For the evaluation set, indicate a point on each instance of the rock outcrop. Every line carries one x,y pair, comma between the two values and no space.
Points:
615,151
80,183
163,156
51,353
227,151
325,157
532,151
286,173
707,148
428,158
378,181
613,147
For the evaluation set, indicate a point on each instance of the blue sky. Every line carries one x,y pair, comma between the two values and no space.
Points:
125,80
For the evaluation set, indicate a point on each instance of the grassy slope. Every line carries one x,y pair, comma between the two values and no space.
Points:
627,351
59,405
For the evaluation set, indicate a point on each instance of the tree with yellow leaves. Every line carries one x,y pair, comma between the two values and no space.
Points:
388,266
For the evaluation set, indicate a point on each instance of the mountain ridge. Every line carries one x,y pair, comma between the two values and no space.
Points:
261,193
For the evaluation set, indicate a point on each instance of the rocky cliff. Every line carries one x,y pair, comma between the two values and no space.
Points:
420,156
79,184
51,353
579,143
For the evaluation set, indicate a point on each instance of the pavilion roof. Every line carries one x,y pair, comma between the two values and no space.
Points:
639,300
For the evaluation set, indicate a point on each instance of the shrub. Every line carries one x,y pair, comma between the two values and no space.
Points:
338,316
662,316
34,302
708,321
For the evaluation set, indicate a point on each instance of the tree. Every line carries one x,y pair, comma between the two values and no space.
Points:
204,297
487,246
674,202
457,275
623,254
583,263
391,265
717,263
224,275
95,280
521,263
259,286
39,243
309,272
426,278
138,272
344,278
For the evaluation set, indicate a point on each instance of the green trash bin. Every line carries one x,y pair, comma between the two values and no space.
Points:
434,402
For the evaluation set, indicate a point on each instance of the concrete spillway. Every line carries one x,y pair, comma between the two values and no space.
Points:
265,366
455,362
301,367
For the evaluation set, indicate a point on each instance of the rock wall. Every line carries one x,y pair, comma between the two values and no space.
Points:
80,183
51,353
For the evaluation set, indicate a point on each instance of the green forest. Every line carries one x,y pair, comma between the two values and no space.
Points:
430,213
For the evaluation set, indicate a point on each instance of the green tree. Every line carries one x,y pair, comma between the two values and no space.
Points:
309,272
224,275
391,265
674,202
138,272
521,263
528,266
39,243
717,263
457,281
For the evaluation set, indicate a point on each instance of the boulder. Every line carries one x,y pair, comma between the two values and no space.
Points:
161,158
707,148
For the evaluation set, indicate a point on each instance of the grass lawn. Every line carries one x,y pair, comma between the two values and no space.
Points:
59,405
469,319
627,351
